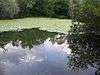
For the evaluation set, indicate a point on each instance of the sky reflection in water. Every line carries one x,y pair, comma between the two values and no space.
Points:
46,58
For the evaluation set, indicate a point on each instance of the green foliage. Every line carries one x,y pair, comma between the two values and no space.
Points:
84,35
26,7
29,8
47,8
8,8
61,8
89,11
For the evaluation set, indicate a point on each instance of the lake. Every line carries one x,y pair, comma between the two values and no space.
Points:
38,52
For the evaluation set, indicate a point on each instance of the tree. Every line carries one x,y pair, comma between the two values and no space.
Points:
26,7
47,8
61,8
40,8
84,36
8,8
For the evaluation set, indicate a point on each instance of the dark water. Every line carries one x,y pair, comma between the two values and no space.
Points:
37,52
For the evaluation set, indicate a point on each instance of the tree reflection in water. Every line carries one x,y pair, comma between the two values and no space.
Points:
45,58
85,48
25,37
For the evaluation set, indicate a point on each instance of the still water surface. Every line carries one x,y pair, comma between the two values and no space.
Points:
36,52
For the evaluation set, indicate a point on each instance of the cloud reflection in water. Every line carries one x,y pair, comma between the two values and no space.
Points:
46,58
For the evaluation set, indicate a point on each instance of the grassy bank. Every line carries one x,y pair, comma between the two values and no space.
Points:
50,24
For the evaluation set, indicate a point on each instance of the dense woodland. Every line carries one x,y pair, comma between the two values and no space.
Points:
30,8
47,8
